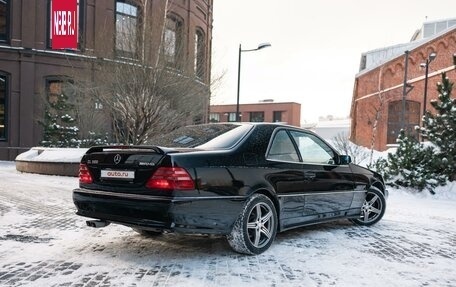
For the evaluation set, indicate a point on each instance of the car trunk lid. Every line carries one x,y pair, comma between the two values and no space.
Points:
128,167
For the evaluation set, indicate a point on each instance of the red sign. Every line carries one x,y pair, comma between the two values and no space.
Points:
64,24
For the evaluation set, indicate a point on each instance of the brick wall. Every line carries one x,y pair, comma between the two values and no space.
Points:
386,82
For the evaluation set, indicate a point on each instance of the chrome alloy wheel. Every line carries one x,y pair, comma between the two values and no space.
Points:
260,225
372,208
256,227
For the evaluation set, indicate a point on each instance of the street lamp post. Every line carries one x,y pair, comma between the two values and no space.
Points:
260,46
430,58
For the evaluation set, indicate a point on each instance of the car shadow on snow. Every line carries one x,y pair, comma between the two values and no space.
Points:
316,230
174,245
169,245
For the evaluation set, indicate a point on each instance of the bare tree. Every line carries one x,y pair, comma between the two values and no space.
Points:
143,100
342,143
149,86
378,114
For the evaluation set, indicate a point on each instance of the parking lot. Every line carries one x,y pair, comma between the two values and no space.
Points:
43,243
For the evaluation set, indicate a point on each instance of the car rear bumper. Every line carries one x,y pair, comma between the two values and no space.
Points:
214,215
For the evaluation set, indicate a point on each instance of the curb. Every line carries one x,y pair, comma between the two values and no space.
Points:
49,168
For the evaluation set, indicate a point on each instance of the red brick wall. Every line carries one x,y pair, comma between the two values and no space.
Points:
28,68
389,78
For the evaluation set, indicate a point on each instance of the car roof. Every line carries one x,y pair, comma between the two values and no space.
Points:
256,124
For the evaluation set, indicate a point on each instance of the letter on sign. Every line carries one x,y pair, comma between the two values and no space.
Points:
64,24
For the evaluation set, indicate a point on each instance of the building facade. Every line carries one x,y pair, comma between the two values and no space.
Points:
287,113
31,72
381,105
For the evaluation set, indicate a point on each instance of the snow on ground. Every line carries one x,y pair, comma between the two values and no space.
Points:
43,243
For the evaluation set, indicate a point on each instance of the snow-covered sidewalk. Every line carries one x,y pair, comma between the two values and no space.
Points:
43,243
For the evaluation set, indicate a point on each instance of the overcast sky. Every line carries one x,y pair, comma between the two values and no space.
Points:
316,47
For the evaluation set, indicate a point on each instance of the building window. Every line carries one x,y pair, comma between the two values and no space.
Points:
277,116
172,41
80,11
214,117
257,116
362,64
3,106
59,121
59,89
199,54
126,29
231,117
411,117
4,20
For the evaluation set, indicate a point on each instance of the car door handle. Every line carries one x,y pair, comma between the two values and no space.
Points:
310,175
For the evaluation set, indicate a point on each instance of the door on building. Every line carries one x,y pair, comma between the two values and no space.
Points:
411,119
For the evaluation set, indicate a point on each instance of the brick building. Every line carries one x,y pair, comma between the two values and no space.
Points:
30,71
267,111
378,103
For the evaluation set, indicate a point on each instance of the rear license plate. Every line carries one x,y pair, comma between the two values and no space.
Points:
118,174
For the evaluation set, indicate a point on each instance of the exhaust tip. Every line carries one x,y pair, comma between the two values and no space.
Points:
97,223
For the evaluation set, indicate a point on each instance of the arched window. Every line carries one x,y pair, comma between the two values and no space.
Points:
172,41
126,29
4,20
411,119
3,106
200,55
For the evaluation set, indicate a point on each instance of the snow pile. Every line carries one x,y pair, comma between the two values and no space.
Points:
42,154
445,193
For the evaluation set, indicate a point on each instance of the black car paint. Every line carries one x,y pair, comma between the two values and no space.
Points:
302,193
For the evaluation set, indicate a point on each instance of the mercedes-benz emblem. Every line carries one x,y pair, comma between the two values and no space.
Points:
117,158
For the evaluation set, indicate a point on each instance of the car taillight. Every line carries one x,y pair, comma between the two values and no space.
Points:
171,178
84,174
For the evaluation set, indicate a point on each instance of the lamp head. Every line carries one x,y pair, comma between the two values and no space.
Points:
432,56
263,45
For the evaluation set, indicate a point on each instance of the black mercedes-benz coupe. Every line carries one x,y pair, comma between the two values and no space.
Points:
247,181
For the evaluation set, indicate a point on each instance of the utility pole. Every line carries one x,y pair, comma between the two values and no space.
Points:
404,91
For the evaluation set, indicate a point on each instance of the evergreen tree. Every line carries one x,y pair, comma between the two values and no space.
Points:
425,166
58,124
414,165
93,139
440,128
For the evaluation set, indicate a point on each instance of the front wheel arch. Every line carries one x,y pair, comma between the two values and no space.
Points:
379,186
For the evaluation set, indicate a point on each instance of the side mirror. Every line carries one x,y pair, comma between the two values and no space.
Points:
345,159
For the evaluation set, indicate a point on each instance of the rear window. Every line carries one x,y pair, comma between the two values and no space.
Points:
228,139
208,136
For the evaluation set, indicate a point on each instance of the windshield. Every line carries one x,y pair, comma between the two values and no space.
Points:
207,136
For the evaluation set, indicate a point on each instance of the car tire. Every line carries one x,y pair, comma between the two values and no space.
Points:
256,227
373,208
148,233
